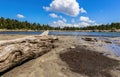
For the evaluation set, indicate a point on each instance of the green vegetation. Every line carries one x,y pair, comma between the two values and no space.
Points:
13,24
112,26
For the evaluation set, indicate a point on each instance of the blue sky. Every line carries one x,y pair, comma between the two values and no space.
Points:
62,12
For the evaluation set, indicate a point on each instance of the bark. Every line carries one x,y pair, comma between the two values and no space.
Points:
14,52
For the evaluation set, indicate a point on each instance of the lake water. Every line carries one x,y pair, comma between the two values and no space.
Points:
106,34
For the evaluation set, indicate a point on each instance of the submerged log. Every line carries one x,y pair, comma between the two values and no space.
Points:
14,52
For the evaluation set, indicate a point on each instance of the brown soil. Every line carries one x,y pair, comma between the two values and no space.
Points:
86,62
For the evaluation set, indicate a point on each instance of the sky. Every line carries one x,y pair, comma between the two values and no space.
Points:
77,13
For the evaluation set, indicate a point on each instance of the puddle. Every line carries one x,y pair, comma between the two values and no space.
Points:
113,47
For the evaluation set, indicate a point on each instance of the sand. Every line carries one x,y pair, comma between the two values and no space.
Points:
51,65
10,36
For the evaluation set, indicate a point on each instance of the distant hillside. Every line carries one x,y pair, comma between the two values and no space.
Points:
13,24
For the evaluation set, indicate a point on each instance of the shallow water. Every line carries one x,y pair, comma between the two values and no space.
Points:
72,33
113,47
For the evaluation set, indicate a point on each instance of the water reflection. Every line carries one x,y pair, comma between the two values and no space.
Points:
72,33
113,47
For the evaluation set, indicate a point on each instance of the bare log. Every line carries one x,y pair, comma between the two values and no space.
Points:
14,52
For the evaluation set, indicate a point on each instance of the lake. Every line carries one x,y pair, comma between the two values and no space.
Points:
67,33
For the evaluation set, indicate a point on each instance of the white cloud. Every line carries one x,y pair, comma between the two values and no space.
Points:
83,10
68,7
73,20
64,19
59,23
84,24
53,15
86,19
20,16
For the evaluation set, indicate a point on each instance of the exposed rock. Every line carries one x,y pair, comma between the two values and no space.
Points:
107,41
89,39
72,47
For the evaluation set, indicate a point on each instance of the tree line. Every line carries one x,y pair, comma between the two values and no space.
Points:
13,24
112,26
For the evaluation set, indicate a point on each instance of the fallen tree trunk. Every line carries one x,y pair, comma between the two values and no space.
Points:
14,52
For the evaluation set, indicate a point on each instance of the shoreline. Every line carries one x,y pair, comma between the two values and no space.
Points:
4,30
90,41
42,65
62,35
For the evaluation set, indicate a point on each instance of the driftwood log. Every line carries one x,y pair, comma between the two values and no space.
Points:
14,52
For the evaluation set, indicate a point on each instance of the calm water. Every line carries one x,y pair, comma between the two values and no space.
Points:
113,47
107,34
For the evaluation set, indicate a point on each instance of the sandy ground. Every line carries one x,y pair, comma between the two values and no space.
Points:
50,64
11,36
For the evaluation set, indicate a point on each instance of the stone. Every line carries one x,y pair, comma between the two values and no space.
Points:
72,47
90,39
